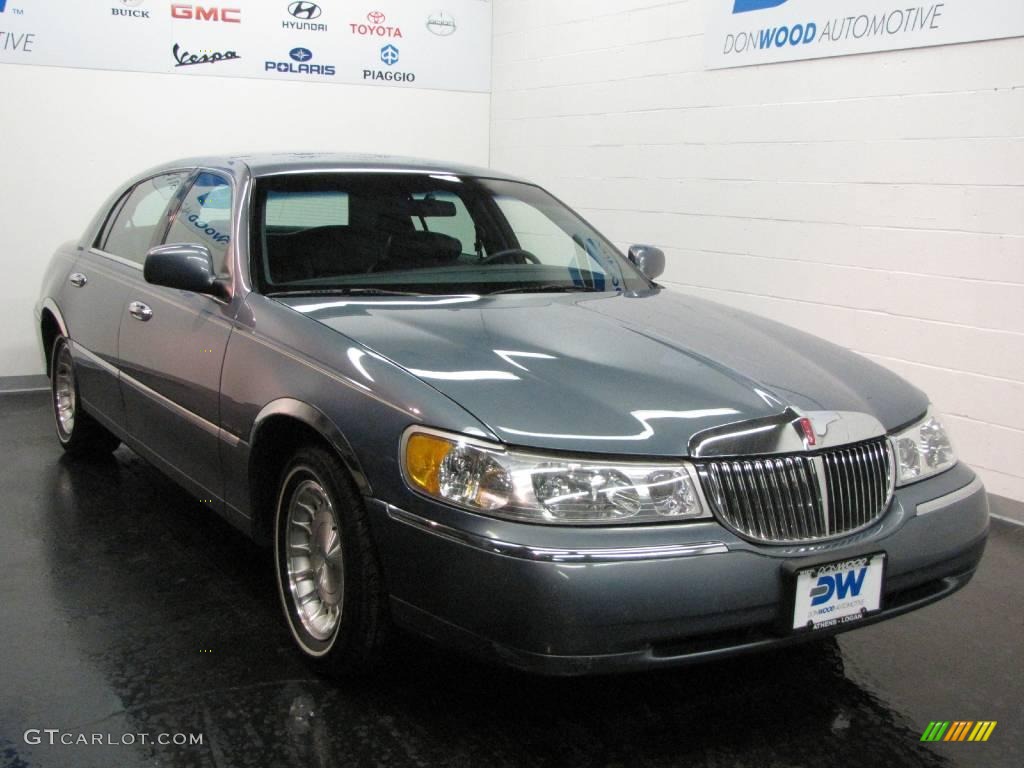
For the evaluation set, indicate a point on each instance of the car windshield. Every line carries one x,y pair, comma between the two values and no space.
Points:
425,233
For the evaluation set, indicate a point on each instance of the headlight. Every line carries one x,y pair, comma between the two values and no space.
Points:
538,488
922,451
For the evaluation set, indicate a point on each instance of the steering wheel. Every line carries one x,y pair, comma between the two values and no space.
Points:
511,256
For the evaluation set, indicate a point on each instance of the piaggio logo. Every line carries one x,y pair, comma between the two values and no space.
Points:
958,730
742,6
389,55
200,13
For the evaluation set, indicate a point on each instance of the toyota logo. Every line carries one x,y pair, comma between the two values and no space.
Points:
376,17
302,10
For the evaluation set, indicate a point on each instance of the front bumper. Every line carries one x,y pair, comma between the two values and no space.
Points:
573,601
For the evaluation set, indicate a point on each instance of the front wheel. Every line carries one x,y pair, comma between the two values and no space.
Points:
327,573
78,432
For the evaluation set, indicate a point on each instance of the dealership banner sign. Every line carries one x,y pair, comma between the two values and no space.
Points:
400,43
744,32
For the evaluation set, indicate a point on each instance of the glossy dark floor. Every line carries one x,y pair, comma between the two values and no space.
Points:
126,608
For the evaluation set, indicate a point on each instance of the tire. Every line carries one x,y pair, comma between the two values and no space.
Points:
328,579
79,433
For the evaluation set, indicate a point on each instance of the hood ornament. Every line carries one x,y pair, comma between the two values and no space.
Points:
792,431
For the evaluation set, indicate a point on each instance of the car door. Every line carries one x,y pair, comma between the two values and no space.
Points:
172,346
98,284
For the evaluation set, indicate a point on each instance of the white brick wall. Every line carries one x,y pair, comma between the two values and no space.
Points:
876,200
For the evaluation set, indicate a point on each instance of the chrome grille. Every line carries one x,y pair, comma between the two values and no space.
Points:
788,499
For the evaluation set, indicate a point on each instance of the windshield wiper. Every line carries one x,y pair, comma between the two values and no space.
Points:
347,291
545,288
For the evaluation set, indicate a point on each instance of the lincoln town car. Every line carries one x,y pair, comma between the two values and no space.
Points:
449,405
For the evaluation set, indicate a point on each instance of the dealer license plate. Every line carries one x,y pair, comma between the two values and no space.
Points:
839,592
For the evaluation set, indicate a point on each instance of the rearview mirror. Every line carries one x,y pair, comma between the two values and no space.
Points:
648,259
429,208
186,266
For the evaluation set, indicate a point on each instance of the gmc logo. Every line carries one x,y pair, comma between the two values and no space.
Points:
199,13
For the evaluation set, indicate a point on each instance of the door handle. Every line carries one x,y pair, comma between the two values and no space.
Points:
140,311
77,279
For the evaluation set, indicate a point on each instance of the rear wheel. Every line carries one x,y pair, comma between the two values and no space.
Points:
327,575
78,432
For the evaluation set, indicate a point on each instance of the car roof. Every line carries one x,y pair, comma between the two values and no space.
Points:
272,164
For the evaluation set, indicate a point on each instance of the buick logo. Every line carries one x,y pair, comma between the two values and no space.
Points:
376,17
441,24
131,3
303,10
300,54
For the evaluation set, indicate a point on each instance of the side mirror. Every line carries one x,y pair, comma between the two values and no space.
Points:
648,259
186,266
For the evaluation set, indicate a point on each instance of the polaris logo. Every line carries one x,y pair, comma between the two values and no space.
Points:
302,56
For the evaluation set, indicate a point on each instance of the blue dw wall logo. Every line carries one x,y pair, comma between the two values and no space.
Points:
828,586
742,6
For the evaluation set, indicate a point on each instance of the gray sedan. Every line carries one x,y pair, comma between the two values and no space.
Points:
450,405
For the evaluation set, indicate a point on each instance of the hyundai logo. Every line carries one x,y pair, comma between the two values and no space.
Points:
300,54
303,10
376,17
389,55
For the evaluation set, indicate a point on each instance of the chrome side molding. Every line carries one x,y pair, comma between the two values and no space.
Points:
553,554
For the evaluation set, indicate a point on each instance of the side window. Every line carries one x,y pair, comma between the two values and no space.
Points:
205,217
130,233
460,225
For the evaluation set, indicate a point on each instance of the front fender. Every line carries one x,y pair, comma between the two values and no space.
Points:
316,419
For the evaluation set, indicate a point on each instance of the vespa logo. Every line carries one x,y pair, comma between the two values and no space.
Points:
743,6
836,585
303,10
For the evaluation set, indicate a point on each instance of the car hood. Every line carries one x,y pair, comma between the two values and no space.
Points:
612,373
